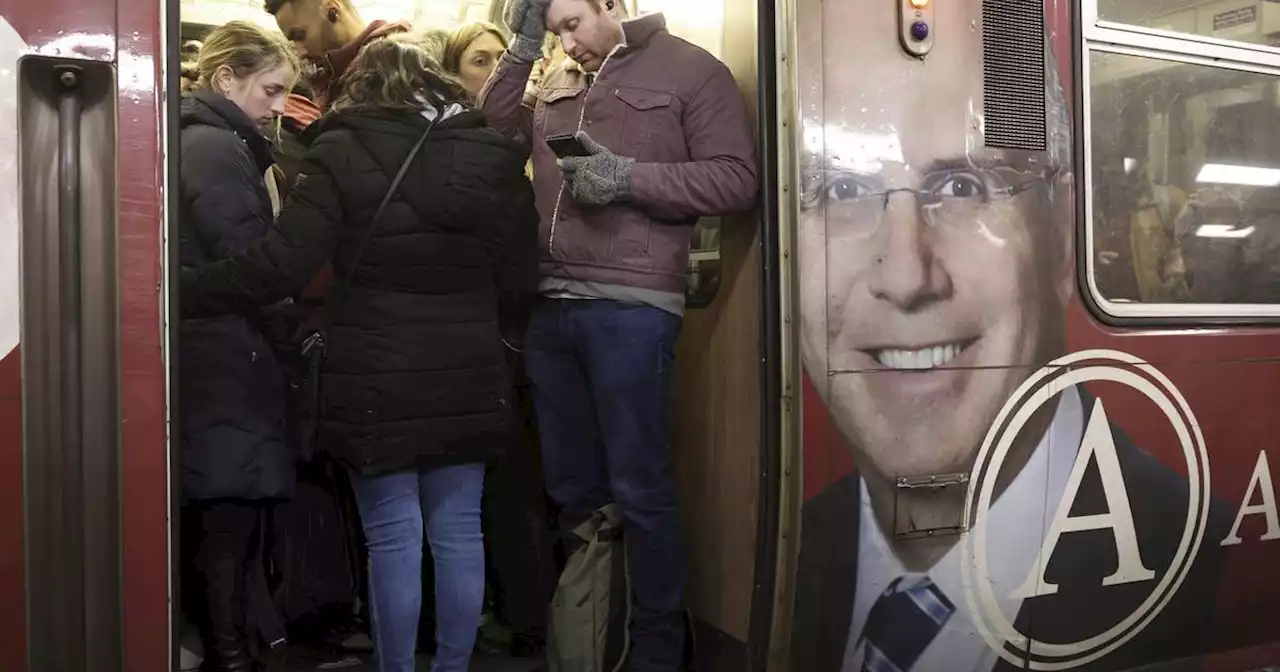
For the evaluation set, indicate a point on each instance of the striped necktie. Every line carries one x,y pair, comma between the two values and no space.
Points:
902,623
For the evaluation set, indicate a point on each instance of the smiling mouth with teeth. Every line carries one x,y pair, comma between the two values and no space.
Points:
919,360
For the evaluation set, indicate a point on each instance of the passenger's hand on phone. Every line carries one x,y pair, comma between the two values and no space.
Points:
598,179
527,20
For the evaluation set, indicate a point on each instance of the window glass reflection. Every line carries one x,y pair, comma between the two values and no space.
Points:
1250,21
1186,182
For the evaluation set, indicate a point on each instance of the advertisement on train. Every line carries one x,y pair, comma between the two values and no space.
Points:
993,478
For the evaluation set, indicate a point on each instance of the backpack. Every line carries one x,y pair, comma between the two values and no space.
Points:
315,551
589,628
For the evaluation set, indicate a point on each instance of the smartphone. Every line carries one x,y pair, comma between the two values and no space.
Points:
566,145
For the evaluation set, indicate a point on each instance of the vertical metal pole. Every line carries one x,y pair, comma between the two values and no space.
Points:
70,395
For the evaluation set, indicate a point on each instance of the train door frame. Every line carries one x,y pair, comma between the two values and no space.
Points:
777,375
778,363
171,73
781,488
102,486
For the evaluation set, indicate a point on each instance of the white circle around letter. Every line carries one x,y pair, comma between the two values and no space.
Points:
1042,386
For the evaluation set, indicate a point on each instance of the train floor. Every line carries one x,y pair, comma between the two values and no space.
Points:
295,658
293,661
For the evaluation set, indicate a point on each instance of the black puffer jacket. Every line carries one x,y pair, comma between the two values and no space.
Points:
416,372
231,390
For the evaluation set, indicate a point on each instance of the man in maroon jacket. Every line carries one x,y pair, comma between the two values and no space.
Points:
667,140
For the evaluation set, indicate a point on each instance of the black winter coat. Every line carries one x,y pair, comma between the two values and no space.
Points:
415,375
231,388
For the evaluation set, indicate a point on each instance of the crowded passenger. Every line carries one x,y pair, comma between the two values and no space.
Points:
328,34
235,457
1226,231
518,545
188,74
1134,231
471,54
670,142
417,395
299,113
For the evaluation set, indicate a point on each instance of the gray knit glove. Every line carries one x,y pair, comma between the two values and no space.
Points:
527,20
598,179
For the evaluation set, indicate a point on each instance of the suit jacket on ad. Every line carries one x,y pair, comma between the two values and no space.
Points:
1081,608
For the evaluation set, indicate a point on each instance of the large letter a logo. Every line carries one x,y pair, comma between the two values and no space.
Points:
1096,640
1097,445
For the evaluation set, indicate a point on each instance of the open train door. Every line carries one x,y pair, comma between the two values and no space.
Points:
83,463
730,395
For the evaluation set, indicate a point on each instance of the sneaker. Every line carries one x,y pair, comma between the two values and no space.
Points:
190,651
357,642
188,660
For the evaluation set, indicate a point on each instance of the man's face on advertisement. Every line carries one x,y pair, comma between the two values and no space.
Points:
933,271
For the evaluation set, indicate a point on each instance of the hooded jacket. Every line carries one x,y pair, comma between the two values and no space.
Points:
231,388
416,372
327,82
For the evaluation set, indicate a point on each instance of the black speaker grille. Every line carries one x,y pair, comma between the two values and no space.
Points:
1013,88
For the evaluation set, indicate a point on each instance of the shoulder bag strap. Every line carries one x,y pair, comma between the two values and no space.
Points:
340,290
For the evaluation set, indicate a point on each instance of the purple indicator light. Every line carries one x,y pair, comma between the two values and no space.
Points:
919,31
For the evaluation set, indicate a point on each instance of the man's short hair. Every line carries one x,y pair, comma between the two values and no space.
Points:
273,6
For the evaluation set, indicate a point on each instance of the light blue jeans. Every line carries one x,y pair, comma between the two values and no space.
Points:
393,510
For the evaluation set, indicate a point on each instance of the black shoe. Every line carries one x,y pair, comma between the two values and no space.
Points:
228,651
226,644
528,646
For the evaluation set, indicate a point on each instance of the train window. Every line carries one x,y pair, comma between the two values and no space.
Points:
704,264
1184,191
1248,21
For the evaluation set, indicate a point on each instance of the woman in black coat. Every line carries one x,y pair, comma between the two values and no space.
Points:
415,390
235,459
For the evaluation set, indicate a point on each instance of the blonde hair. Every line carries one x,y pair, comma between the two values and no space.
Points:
462,38
396,73
433,40
245,49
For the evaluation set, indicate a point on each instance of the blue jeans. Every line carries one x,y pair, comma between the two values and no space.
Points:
601,375
393,509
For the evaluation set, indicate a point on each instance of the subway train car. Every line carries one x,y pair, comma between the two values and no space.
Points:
983,383
1035,325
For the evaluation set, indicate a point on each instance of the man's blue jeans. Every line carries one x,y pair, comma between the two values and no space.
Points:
395,509
601,374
